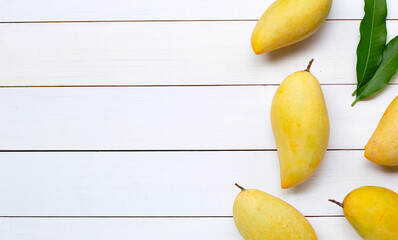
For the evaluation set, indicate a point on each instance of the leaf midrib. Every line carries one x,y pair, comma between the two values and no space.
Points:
373,79
370,44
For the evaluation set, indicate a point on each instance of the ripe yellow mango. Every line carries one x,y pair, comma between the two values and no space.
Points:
300,124
261,216
382,147
288,21
372,212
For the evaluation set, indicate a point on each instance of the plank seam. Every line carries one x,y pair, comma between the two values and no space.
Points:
165,21
175,150
134,217
173,85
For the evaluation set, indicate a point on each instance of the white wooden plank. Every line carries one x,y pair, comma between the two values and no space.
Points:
168,53
149,229
100,10
170,183
164,118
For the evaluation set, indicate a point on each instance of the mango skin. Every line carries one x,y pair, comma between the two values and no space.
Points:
373,212
260,216
382,147
301,128
288,21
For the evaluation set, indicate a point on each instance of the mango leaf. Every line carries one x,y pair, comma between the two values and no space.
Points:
373,40
388,68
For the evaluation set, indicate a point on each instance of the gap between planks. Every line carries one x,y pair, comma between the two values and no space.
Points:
165,86
166,21
132,217
174,150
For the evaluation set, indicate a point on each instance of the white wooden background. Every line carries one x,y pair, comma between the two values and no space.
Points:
133,119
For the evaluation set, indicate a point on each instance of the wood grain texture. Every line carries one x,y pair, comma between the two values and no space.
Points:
116,10
168,118
170,183
149,229
135,186
168,53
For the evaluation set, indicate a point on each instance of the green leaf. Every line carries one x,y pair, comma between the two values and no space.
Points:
373,40
388,68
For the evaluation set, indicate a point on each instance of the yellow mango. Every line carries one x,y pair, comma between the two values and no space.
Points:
372,212
382,147
288,21
261,216
300,124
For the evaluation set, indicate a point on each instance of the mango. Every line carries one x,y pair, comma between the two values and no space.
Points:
300,124
261,216
382,147
372,212
288,21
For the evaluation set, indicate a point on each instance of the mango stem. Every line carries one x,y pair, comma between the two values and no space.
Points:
309,65
241,188
336,202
